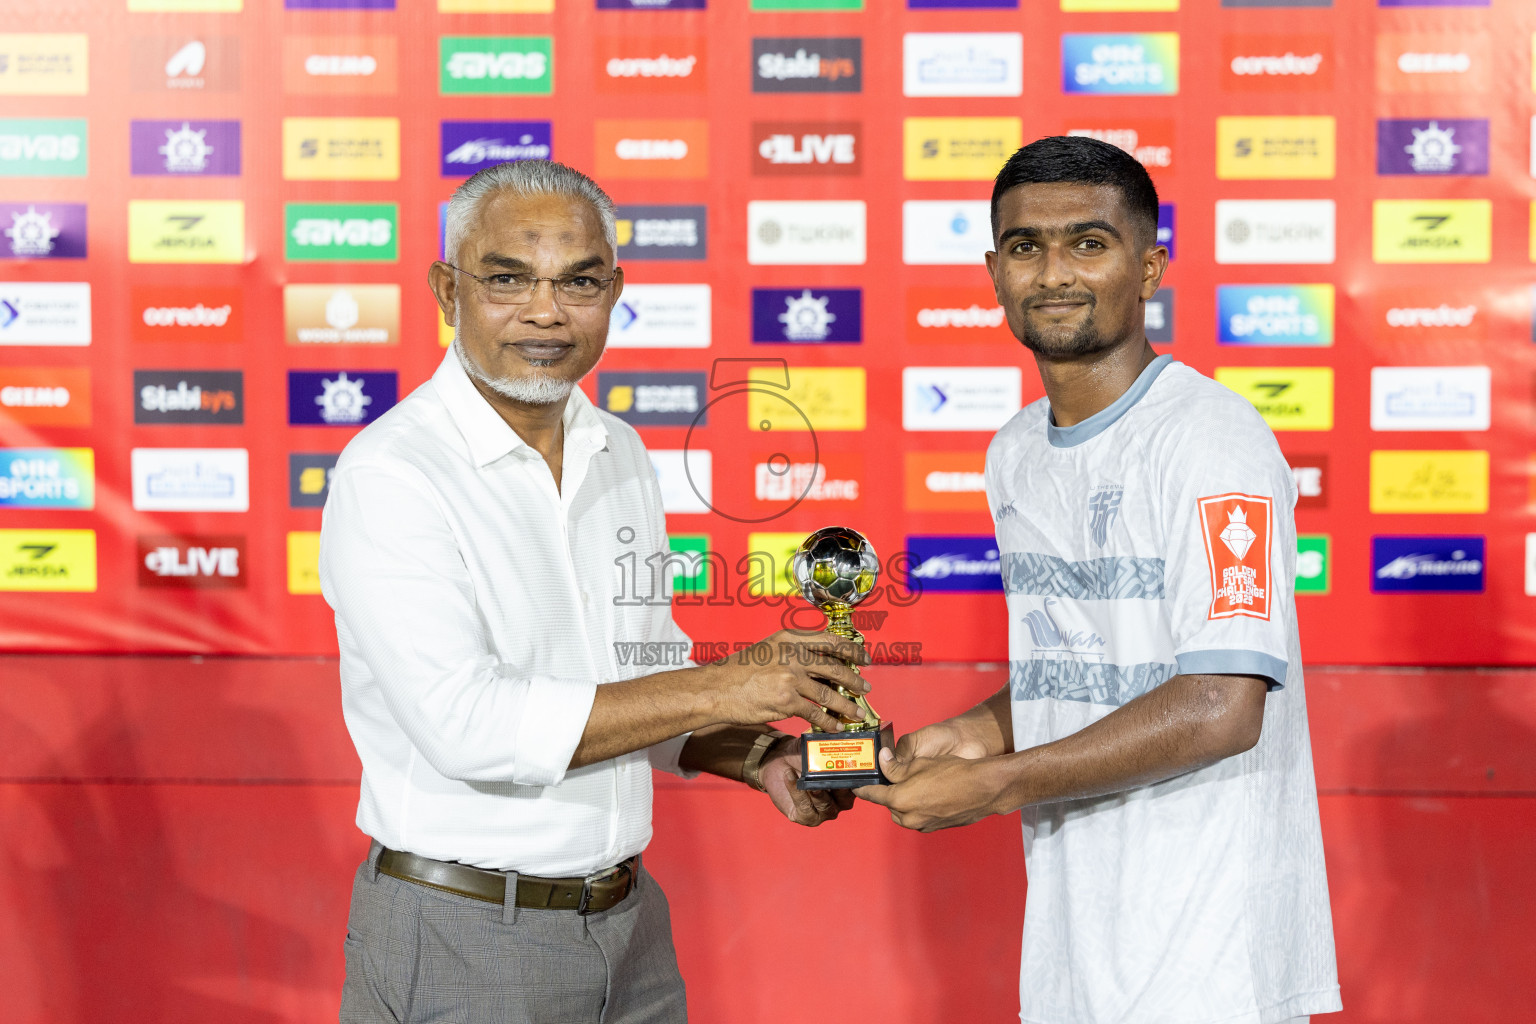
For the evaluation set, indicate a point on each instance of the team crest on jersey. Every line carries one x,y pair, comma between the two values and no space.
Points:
1103,510
1236,528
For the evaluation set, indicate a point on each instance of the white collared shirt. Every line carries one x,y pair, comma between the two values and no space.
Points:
478,608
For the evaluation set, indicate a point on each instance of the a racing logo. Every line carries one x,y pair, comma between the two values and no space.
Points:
1236,529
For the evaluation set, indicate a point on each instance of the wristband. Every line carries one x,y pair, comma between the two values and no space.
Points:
752,767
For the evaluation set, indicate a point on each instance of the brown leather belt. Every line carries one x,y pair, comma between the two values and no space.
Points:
583,895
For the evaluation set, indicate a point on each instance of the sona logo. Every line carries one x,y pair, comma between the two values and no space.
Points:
956,564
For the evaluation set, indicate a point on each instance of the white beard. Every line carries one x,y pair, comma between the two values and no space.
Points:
532,390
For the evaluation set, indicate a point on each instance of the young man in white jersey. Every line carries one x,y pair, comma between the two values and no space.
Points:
1153,732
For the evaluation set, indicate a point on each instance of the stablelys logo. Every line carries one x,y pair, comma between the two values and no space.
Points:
808,65
1140,64
340,398
1427,565
482,65
811,148
186,313
956,564
1277,63
470,146
1293,315
189,396
34,231
807,316
627,65
191,561
341,231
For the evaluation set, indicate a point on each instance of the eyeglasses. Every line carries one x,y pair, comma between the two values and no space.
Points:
513,289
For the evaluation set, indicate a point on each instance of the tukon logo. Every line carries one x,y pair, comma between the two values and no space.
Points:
36,147
188,396
177,148
309,478
1412,315
182,231
662,232
1310,473
198,562
45,396
489,65
1432,231
956,564
1274,231
814,232
958,148
946,481
1277,63
808,65
661,316
1427,565
341,231
190,479
1258,148
652,149
1275,314
1139,64
45,313
57,560
1288,397
1430,397
832,478
184,64
807,316
1429,481
44,64
955,314
650,65
341,314
470,146
945,232
1438,62
36,231
340,398
962,64
186,313
653,398
811,148
47,478
1437,146
959,397
341,149
1157,317
1149,140
340,65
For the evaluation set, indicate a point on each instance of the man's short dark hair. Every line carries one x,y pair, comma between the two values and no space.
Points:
1078,160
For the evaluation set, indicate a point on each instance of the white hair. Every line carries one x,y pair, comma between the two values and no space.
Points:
525,179
534,389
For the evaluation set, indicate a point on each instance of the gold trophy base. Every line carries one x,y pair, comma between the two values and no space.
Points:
843,760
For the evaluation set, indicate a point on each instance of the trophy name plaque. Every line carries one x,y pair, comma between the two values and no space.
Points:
835,568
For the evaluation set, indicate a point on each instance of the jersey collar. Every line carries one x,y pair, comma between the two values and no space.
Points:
1093,426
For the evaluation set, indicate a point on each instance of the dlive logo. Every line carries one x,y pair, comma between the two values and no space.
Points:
191,561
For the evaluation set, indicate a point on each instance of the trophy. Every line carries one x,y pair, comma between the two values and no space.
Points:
835,568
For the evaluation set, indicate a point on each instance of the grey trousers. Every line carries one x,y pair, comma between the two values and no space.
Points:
418,955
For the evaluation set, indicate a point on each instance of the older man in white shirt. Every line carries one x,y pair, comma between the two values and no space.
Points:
471,549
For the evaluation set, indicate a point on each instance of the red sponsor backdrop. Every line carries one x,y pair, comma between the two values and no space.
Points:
713,107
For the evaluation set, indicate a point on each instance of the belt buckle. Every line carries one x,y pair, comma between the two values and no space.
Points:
586,896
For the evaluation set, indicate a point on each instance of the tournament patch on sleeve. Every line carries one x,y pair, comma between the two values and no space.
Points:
1237,546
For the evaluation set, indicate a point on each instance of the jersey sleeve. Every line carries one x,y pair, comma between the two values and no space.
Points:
1229,500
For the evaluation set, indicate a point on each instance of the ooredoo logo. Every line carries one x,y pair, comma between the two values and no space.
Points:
628,65
1277,63
1419,315
805,147
955,314
652,149
186,313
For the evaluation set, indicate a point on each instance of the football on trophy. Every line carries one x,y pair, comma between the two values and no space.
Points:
835,565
